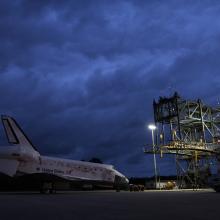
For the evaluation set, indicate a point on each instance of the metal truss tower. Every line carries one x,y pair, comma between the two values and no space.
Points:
191,131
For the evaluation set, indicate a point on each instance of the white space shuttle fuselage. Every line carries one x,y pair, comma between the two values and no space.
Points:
22,158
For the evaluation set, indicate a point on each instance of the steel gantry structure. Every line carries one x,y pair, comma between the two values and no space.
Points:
191,131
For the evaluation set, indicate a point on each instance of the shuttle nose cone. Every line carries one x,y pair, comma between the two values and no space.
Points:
126,180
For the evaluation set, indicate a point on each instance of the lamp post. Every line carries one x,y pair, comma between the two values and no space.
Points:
152,127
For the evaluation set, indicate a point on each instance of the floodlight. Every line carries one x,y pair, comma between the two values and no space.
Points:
152,127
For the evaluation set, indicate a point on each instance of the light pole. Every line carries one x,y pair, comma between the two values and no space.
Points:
152,127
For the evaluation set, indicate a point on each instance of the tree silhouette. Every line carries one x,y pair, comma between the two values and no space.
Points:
95,160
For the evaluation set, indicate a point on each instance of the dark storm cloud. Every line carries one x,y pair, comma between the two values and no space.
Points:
80,76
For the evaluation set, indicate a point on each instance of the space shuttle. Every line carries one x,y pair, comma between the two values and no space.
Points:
22,162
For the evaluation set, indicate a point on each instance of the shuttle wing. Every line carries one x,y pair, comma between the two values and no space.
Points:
8,167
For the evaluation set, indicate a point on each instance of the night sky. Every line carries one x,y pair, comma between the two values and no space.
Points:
80,76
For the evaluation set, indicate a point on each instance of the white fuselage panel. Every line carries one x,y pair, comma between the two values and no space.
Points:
68,169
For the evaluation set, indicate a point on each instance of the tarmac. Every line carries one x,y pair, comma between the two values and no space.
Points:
150,205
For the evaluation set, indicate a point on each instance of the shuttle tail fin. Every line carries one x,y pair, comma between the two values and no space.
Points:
15,134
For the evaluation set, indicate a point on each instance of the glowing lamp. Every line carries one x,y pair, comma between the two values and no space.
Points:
152,127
